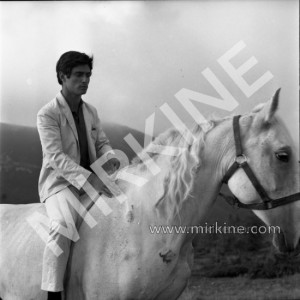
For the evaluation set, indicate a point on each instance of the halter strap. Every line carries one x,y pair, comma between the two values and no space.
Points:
241,161
237,136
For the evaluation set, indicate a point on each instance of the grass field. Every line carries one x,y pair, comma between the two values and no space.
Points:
228,268
243,288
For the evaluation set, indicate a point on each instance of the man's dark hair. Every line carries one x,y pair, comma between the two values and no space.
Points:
70,60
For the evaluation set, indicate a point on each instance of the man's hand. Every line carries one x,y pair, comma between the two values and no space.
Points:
99,185
114,163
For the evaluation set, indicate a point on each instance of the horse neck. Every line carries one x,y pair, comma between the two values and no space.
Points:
216,158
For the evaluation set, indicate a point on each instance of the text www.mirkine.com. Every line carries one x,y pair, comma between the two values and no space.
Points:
213,229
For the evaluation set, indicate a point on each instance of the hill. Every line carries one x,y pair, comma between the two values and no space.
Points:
21,159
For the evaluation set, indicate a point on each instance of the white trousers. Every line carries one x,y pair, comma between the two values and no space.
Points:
62,209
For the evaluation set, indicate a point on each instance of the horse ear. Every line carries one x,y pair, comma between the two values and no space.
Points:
273,106
267,111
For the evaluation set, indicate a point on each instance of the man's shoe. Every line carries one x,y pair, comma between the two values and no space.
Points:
54,295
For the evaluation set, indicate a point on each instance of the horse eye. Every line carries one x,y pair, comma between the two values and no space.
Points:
282,156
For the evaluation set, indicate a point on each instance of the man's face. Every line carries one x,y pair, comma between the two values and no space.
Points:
78,81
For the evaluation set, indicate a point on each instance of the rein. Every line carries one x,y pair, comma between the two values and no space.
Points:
241,161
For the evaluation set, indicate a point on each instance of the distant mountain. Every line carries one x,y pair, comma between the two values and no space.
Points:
21,158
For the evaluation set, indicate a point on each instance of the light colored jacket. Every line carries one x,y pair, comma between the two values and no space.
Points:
60,145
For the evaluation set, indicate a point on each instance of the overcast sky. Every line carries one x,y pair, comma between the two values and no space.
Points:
146,52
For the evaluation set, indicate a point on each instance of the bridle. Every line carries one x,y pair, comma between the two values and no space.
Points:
241,161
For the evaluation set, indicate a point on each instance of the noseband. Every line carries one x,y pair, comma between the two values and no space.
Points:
241,161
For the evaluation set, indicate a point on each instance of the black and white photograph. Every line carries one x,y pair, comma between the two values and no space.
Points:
149,150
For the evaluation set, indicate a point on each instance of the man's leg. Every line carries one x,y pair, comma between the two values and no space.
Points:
63,218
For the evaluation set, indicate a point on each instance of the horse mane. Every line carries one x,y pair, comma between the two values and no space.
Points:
179,181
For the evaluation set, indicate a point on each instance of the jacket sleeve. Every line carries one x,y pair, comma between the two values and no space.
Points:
49,132
102,143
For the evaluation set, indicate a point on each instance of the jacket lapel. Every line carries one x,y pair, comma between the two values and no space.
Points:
67,112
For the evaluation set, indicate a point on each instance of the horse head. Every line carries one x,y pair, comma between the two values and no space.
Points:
273,159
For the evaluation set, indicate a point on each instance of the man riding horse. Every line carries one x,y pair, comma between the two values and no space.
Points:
72,138
119,258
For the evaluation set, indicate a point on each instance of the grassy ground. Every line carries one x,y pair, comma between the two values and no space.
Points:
242,268
243,288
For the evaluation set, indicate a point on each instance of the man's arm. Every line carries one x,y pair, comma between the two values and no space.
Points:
50,137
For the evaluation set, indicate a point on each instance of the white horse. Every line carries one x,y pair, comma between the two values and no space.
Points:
120,258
